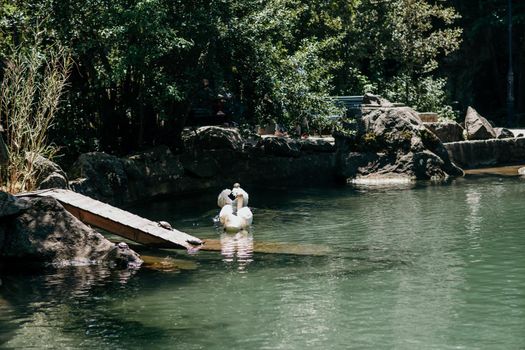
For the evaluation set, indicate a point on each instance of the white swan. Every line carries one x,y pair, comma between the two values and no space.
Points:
241,196
234,215
224,198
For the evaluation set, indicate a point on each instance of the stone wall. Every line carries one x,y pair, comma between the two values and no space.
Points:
484,153
389,142
215,158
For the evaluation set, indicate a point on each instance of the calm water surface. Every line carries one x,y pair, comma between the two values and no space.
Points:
424,267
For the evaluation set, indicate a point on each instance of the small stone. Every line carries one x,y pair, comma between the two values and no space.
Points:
503,133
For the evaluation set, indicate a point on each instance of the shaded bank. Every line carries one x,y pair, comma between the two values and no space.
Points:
386,142
215,157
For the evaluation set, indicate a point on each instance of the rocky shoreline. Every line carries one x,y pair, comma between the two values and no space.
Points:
387,144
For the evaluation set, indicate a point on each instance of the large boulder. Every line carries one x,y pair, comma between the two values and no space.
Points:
446,131
280,146
49,174
393,142
376,100
477,127
11,205
213,137
46,233
124,180
100,176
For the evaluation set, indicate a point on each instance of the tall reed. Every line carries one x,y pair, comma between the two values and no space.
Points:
32,87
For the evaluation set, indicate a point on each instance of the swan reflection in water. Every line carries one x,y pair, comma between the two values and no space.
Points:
235,219
237,247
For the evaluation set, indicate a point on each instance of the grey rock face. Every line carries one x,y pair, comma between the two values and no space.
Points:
153,172
280,146
503,133
392,142
100,176
376,100
204,164
49,174
316,146
214,137
46,233
477,127
11,205
484,153
365,163
123,180
446,131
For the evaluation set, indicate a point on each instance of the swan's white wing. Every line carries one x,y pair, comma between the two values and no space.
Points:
246,216
223,198
245,197
226,211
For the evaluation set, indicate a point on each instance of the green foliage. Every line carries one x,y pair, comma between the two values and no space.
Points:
478,71
345,128
429,95
140,65
397,46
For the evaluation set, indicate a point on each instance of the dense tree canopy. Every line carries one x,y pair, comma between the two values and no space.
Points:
143,69
478,71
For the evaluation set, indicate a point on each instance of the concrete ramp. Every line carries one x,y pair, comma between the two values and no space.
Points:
118,221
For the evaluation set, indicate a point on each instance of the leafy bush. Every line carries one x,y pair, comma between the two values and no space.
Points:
427,95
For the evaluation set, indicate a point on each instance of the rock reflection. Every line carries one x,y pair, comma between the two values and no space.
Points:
37,304
237,247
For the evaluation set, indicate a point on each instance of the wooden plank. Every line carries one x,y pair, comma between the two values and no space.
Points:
149,233
118,221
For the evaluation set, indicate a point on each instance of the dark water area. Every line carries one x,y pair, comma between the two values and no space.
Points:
410,267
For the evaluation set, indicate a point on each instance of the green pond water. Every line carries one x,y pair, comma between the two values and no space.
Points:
412,267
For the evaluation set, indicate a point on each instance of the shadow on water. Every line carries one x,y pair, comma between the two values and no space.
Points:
75,302
79,306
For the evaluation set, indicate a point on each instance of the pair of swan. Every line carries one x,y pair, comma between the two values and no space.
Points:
235,214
